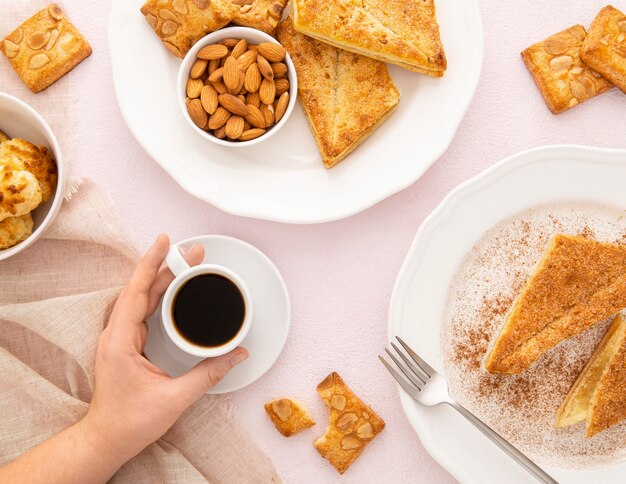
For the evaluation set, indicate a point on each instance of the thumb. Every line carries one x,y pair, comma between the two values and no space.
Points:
206,374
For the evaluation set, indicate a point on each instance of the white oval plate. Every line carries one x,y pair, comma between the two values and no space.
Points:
270,326
532,178
283,179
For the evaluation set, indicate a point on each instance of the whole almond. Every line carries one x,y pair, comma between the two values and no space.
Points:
253,78
271,51
246,126
213,66
220,133
194,88
220,87
219,118
279,69
209,99
233,104
242,98
267,92
267,110
213,51
253,98
247,59
197,113
217,75
249,134
234,127
230,43
198,68
281,106
187,101
255,117
282,85
239,49
265,68
233,77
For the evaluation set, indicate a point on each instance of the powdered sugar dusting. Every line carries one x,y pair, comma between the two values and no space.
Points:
522,407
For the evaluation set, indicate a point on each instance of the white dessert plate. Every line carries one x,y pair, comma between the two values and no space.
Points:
270,326
283,179
534,178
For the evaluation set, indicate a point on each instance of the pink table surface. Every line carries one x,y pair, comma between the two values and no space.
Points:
340,275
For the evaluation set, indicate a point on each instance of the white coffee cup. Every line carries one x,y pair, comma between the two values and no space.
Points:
184,273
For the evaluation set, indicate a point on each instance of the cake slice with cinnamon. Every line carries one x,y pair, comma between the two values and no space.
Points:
578,283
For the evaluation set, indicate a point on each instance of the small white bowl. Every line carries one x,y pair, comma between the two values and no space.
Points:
254,37
19,120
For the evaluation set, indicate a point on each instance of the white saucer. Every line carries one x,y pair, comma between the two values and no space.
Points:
270,326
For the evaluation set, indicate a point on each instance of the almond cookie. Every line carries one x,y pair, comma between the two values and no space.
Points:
14,230
259,14
181,23
352,424
19,193
562,78
604,49
45,48
289,416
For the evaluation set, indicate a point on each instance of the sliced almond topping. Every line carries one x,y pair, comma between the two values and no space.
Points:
338,402
180,6
577,33
573,102
365,431
18,35
561,62
56,12
595,74
153,21
11,49
622,25
366,415
54,36
349,442
38,60
590,86
167,14
620,38
202,4
346,422
169,28
245,9
578,90
576,70
604,40
173,49
555,46
38,39
275,10
282,408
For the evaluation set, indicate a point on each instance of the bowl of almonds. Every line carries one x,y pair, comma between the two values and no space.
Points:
237,86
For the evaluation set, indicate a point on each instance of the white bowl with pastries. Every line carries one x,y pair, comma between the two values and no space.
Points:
249,97
31,176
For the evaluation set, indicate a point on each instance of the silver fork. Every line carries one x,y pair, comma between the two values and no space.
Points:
426,386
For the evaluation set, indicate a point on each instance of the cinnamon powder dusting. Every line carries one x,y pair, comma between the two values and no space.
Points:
522,407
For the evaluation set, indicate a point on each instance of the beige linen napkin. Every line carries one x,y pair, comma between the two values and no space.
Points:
55,300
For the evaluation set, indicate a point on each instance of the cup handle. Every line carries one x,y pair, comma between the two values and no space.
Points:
175,261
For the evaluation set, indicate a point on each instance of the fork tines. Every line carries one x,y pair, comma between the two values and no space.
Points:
416,371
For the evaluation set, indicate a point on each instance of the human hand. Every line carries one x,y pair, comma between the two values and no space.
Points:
134,402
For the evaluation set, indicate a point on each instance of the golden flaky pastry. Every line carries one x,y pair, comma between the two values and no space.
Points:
604,48
45,48
19,193
402,32
578,283
19,154
598,396
14,230
345,96
352,424
562,78
3,136
259,14
289,416
181,23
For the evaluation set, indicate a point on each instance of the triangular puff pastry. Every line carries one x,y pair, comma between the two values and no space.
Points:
579,282
598,396
345,96
402,32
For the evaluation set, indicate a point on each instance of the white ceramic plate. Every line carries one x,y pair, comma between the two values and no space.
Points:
270,326
283,179
533,178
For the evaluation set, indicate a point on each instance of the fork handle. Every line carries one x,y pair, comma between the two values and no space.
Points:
508,448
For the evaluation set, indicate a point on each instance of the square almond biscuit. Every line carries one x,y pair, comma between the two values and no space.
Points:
45,48
604,49
289,416
562,78
352,424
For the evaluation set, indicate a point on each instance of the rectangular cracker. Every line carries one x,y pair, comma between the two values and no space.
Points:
604,49
181,23
562,78
45,48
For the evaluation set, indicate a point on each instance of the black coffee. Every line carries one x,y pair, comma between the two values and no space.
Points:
208,310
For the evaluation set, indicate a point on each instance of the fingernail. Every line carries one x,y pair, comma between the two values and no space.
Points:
238,358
